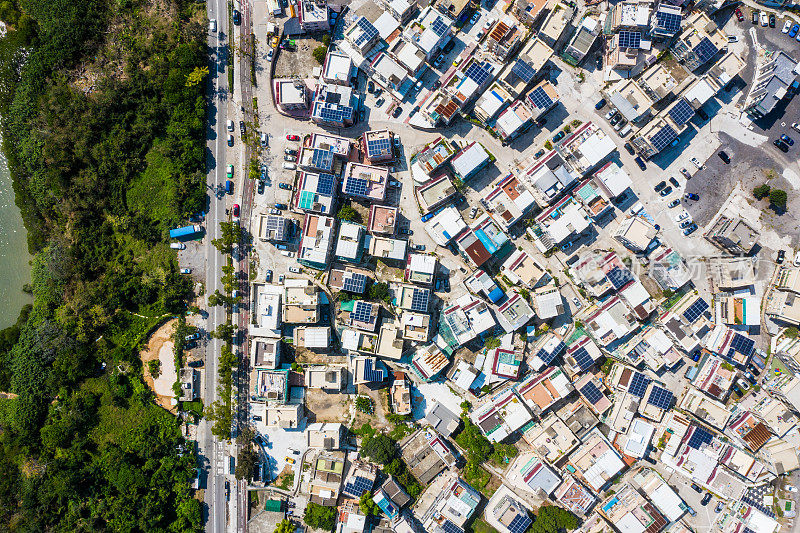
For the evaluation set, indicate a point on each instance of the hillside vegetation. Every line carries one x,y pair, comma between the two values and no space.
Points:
103,125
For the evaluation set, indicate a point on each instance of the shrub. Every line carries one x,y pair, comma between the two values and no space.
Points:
791,332
778,198
349,214
365,405
548,145
761,192
320,517
154,367
319,53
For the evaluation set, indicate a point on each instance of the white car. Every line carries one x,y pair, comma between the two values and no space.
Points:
681,217
796,261
212,25
294,270
795,126
791,488
786,26
696,163
289,166
269,54
764,19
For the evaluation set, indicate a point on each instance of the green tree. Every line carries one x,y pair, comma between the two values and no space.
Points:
319,53
320,517
379,448
552,519
196,76
778,198
761,192
349,214
285,526
477,447
791,332
230,236
224,331
491,343
367,506
248,457
380,291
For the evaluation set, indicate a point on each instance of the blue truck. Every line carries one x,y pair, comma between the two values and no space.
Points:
185,231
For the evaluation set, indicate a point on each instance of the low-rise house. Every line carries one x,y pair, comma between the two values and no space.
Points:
411,297
504,363
730,344
382,219
514,313
541,391
391,498
543,350
749,431
312,338
542,98
577,416
506,512
595,461
316,241
575,497
400,394
378,145
445,225
510,201
273,228
435,192
714,376
551,438
421,269
699,42
362,35
463,320
326,478
630,99
470,160
392,249
442,419
266,315
451,508
334,105
415,326
688,321
426,455
502,415
613,179
331,378
190,385
591,390
548,302
364,315
300,302
428,361
668,269
367,370
612,322
532,474
564,221
555,24
349,518
631,511
513,120
494,100
349,244
327,436
348,279
265,352
638,438
635,233
582,354
586,148
705,409
365,181
360,479
582,42
481,283
337,67
359,341
651,345
520,74
316,192
524,269
291,95
653,487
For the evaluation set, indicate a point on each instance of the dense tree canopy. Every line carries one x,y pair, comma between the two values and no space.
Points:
105,143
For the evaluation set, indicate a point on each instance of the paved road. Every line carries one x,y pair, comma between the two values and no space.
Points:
211,451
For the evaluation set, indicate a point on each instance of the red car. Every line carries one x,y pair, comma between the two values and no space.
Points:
236,210
739,15
291,137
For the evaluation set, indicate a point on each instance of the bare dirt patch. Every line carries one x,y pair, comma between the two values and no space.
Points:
324,407
298,63
159,346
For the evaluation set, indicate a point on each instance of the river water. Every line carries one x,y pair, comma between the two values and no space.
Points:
15,270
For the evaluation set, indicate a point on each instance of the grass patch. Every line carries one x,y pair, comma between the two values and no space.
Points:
479,526
286,482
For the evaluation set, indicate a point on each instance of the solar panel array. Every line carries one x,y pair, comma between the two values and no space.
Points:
668,22
336,114
742,344
705,50
325,184
322,159
524,71
630,39
372,374
695,310
591,393
362,312
619,277
355,283
479,73
420,299
639,383
368,31
660,397
379,146
439,27
547,357
540,98
356,186
663,138
699,437
681,112
450,527
583,358
357,486
520,523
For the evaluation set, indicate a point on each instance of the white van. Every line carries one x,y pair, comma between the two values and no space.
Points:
177,245
212,25
230,125
636,208
626,130
289,166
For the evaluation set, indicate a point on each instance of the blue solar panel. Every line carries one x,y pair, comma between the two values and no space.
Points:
619,277
695,310
420,299
630,39
742,344
638,384
681,112
705,50
362,312
322,159
540,98
439,27
450,527
337,114
371,373
663,138
660,397
591,393
355,283
668,22
368,31
325,184
356,186
523,70
520,523
582,358
479,73
379,147
699,437
547,357
357,486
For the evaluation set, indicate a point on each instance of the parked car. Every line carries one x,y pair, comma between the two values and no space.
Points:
538,154
601,104
796,126
237,17
685,224
794,30
379,102
294,270
764,19
666,192
682,216
397,111
615,119
790,488
739,15
660,186
755,17
629,148
674,203
290,151
274,211
269,276
285,186
610,114
292,137
281,206
691,196
242,128
640,162
449,46
696,163
724,156
576,302
567,245
236,210
370,87
281,278
558,136
696,488
686,173
229,172
706,499
177,246
781,256
691,229
270,53
674,182
438,61
772,20
788,140
186,271
786,26
719,507
782,146
289,166
263,138
475,17
212,25
230,140
195,364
